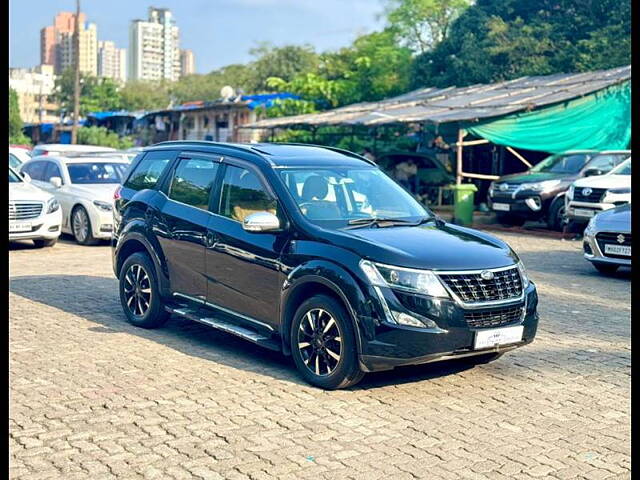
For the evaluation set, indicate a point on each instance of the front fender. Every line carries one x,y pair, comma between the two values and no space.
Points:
341,283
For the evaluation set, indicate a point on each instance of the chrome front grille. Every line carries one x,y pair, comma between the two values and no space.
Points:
494,317
604,238
471,287
24,210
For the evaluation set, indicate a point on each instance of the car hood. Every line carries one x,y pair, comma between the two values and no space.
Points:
531,177
27,191
447,247
604,181
618,218
94,191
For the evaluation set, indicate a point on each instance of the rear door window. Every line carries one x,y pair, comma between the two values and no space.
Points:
149,170
192,182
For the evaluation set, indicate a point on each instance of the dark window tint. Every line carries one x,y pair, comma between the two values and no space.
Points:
52,171
605,162
96,172
35,170
243,194
192,182
149,170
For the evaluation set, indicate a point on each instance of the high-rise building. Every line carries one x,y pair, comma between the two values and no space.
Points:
88,50
154,51
187,63
33,86
112,61
64,22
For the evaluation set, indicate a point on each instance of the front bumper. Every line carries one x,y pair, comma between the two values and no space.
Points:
594,254
525,204
45,227
101,223
582,212
395,345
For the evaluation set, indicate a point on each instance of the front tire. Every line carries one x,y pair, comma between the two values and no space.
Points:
42,242
323,344
555,217
140,294
81,227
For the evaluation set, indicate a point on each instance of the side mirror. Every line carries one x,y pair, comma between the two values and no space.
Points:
26,177
261,222
591,172
56,182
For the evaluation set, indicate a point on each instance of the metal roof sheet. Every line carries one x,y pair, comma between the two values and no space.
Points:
474,102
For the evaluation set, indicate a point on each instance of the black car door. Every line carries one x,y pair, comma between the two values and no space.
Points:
243,268
182,221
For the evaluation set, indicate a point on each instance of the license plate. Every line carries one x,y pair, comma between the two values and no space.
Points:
618,249
19,227
503,207
583,212
498,336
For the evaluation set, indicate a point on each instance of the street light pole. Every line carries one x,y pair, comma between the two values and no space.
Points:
76,85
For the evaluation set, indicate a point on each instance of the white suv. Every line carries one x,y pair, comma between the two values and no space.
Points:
590,195
33,213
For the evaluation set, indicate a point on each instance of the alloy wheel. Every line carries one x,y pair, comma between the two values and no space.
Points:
137,290
80,225
320,342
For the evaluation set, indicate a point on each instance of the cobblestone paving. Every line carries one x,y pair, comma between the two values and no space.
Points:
93,397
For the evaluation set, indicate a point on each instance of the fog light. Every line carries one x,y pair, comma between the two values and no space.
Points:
411,321
587,248
106,227
533,203
54,228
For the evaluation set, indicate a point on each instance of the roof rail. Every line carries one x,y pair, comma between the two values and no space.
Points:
346,153
236,146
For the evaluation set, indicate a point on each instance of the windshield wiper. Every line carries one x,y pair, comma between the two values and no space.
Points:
379,221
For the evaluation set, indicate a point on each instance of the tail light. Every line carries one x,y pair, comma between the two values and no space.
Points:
116,193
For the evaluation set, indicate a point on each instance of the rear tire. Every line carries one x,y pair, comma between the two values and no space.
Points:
605,268
139,292
81,227
41,242
555,217
321,331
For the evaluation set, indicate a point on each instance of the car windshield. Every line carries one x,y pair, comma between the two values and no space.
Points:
14,177
14,162
562,163
96,172
340,197
623,169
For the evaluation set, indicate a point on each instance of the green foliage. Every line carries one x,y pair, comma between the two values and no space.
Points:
422,24
96,94
138,95
15,122
287,107
103,137
498,40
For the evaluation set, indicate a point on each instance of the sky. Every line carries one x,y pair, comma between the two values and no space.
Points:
220,32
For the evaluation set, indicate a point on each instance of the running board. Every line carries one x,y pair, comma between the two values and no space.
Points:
226,326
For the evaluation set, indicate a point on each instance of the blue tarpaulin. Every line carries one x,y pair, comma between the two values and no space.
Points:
267,99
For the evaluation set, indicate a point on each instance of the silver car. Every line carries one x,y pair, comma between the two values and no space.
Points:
607,239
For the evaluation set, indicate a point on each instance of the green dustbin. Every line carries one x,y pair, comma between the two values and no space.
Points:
463,203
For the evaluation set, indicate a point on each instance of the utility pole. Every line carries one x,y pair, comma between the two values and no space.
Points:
76,85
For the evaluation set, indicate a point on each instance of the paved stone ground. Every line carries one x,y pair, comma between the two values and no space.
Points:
93,397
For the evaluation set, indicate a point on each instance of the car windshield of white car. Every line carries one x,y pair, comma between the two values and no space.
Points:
98,172
13,177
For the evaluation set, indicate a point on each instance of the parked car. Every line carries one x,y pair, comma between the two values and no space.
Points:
539,192
84,187
17,156
33,213
607,239
588,196
315,252
65,148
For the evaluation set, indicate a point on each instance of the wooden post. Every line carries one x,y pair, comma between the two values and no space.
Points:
461,135
519,157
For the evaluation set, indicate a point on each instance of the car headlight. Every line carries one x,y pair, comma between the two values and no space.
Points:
591,227
542,186
416,281
104,206
491,187
523,274
52,205
619,190
570,192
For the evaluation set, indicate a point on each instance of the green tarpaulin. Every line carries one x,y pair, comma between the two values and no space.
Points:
597,121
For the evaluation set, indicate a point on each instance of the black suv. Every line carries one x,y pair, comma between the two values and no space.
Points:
314,252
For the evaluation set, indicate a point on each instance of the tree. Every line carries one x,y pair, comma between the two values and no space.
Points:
285,62
140,95
101,136
96,94
16,136
496,40
422,24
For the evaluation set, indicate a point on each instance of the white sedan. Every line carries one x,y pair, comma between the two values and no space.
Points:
17,156
84,186
33,213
